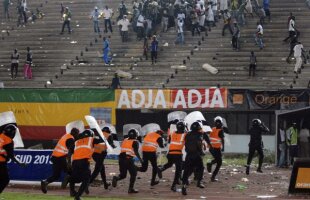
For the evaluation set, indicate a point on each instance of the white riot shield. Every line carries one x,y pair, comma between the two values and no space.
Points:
173,128
7,118
75,124
93,124
128,127
148,128
180,115
193,117
18,142
227,136
224,123
112,128
117,149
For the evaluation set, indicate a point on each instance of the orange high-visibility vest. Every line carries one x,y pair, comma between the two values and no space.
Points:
61,147
4,140
150,142
215,140
101,147
177,141
83,149
127,148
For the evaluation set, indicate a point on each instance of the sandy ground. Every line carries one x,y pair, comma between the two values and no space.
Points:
233,184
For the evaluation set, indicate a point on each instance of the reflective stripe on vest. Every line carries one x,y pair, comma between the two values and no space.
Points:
127,148
61,148
99,148
215,140
83,149
176,143
150,142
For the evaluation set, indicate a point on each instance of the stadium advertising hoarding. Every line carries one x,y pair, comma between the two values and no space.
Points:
42,114
171,98
38,165
268,100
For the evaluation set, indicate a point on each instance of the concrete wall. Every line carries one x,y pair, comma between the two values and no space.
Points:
239,143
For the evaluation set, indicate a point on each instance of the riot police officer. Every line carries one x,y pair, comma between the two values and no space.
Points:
176,140
193,160
61,158
99,155
256,144
7,153
217,141
129,150
83,150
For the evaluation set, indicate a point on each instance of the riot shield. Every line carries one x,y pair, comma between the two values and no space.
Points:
9,118
148,128
93,124
179,115
128,127
75,124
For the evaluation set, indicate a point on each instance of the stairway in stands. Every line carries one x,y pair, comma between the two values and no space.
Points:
58,58
272,70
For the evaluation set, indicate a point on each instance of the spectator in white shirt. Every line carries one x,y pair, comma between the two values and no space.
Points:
180,37
95,16
140,27
259,35
297,54
124,23
291,29
107,13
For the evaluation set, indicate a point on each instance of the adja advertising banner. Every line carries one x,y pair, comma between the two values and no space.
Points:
171,98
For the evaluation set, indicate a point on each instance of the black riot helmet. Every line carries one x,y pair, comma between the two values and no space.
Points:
86,133
106,129
133,134
10,131
196,126
74,132
256,122
180,127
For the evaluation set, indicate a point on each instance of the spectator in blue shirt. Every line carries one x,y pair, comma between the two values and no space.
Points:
266,8
154,49
106,50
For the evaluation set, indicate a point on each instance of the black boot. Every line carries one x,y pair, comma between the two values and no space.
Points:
247,170
132,191
44,186
259,170
159,172
114,181
173,188
184,192
209,167
154,183
106,185
200,185
65,182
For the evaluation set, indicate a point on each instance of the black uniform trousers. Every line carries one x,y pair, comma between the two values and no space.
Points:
259,149
193,162
59,165
99,167
177,160
80,173
149,156
126,163
4,176
217,155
